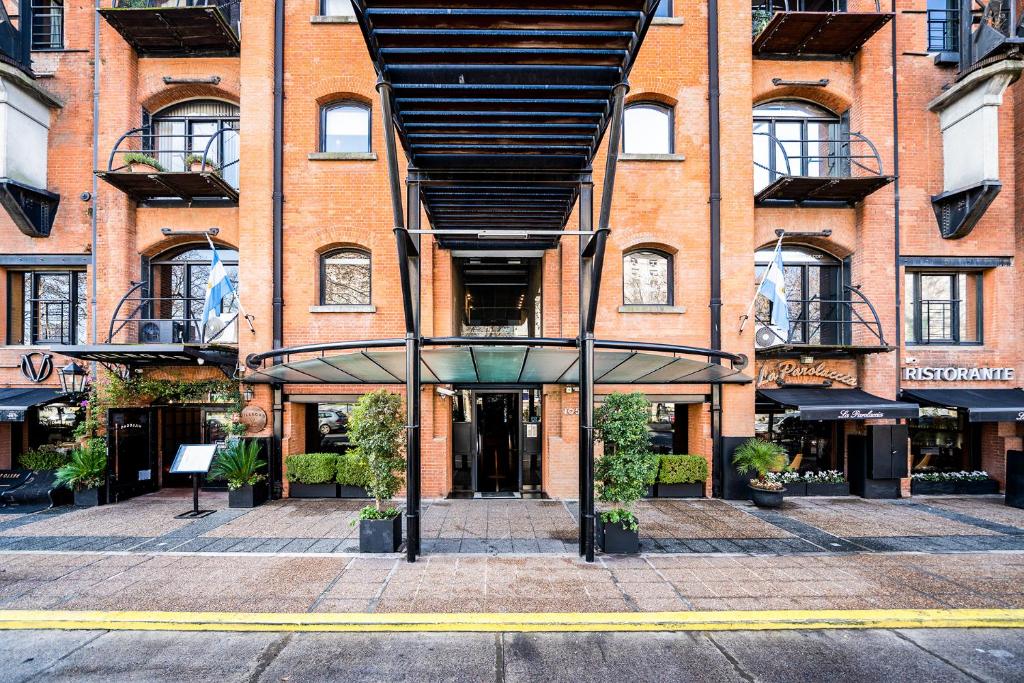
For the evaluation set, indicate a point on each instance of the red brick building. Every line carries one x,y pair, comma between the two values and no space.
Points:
901,265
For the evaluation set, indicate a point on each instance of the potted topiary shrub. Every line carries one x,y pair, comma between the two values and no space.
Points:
353,476
312,475
239,463
757,456
138,162
623,471
376,428
196,164
86,473
682,476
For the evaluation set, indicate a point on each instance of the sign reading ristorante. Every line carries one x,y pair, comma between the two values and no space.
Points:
958,374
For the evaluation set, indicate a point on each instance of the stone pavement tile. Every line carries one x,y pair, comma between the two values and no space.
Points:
661,605
341,605
349,590
857,517
989,508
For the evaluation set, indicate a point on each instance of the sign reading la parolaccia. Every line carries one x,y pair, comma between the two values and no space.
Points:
789,369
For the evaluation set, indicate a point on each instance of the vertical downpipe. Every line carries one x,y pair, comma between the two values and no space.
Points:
278,230
715,201
896,203
93,306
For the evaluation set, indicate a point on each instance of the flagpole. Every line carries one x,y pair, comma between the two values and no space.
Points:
238,297
764,276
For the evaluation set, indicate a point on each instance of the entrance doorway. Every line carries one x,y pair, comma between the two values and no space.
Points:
496,437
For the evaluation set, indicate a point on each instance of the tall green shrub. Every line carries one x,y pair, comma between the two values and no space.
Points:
683,469
376,428
43,458
626,469
311,468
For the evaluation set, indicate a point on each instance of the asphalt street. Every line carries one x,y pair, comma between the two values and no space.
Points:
785,656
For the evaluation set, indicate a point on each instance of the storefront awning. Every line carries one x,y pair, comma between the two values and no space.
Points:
14,402
982,405
820,403
498,365
152,354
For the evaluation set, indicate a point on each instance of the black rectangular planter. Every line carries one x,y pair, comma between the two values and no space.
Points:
346,491
881,488
616,539
796,488
652,491
681,490
380,535
89,498
950,488
300,490
248,496
824,489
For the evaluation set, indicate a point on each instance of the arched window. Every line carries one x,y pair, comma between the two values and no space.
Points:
177,290
336,8
345,127
647,278
345,278
814,292
647,129
794,137
185,131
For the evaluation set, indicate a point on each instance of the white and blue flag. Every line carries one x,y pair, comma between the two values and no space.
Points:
773,288
218,288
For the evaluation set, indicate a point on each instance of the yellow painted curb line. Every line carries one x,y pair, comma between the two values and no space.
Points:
512,622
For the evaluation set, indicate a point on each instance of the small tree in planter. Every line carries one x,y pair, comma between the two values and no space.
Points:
376,428
86,472
625,469
196,164
239,463
138,162
757,456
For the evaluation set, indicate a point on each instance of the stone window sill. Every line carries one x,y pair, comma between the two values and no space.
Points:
653,308
340,19
344,308
342,156
652,157
668,21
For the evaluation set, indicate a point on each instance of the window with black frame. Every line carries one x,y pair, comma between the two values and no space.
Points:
46,307
648,129
345,278
943,25
191,133
178,281
647,278
798,138
814,293
345,128
47,24
944,308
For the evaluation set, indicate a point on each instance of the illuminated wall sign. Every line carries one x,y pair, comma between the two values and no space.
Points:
958,374
788,370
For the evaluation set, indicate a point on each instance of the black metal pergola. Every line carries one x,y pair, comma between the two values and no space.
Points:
501,112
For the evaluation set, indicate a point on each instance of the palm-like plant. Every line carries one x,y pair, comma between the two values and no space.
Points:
239,463
760,457
87,467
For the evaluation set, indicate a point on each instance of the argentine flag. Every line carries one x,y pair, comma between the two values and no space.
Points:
773,287
218,287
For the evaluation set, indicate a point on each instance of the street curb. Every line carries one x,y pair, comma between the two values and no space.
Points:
512,622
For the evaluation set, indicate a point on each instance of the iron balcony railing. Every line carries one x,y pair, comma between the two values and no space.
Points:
197,152
937,321
168,320
47,26
835,157
231,9
943,30
52,321
764,10
850,321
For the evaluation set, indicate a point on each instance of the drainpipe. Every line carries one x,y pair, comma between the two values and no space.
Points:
715,200
278,230
896,203
95,181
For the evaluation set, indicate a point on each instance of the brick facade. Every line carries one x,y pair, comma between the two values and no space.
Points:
662,203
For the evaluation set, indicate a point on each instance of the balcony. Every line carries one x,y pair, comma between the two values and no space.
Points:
791,29
177,28
944,35
832,170
822,326
200,165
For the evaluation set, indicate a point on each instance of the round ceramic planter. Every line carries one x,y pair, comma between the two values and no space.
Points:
766,499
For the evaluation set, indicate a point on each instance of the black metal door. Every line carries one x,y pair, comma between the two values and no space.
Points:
131,448
880,437
498,465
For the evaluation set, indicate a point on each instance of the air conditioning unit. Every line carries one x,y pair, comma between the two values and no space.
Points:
162,331
767,336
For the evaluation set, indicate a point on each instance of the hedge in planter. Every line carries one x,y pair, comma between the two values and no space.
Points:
682,476
312,475
353,475
376,428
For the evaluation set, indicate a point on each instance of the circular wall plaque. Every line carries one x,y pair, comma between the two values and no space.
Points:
254,417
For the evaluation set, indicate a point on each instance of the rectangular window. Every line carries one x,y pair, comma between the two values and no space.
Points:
46,307
47,24
336,8
943,308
